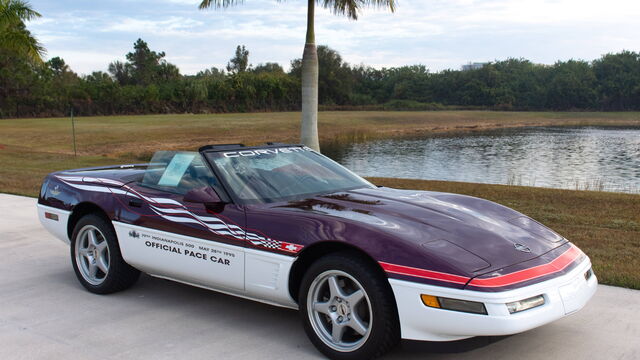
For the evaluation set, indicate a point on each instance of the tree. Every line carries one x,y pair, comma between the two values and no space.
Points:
572,86
145,64
64,82
212,72
240,61
143,67
618,77
309,76
58,65
335,79
268,67
121,72
103,91
14,35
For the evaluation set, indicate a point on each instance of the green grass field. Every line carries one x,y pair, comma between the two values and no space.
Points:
605,225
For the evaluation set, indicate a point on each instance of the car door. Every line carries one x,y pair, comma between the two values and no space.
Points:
164,235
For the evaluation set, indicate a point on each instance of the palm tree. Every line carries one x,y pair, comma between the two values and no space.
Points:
349,8
14,35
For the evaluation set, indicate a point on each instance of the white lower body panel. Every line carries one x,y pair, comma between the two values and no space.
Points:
56,222
235,270
563,295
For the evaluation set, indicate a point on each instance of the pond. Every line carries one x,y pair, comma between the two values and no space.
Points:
586,158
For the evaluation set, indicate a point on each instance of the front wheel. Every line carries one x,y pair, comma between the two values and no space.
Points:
96,257
347,308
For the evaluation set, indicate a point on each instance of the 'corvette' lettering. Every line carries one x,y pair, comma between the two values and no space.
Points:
276,151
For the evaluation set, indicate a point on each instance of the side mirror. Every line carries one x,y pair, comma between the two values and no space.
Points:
204,195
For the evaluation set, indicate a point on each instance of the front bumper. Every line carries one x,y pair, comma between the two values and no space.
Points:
563,295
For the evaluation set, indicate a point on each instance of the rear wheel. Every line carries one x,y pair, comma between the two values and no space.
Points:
96,257
347,308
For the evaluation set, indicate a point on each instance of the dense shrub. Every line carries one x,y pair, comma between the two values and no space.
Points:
146,83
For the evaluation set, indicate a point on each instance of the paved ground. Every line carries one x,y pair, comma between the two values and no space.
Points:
46,314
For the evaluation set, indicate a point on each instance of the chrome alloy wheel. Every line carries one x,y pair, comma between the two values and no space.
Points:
92,255
339,311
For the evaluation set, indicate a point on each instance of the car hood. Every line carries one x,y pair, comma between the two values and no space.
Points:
472,235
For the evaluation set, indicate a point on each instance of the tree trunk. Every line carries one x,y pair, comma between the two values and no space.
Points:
309,128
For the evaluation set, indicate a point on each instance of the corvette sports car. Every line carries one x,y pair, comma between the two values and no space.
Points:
282,224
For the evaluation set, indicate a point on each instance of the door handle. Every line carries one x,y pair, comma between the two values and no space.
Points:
135,203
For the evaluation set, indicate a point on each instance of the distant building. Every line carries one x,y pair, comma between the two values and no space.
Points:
473,66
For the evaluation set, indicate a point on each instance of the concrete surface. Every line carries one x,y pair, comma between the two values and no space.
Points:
46,314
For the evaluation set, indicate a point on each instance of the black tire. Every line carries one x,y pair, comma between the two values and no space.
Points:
119,275
383,323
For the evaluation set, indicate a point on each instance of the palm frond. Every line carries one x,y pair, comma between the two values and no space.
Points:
205,4
20,40
351,8
15,11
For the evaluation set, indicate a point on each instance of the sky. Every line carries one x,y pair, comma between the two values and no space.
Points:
440,34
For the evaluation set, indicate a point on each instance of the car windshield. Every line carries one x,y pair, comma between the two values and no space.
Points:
178,172
279,174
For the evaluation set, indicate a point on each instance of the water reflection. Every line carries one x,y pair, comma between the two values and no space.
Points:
592,158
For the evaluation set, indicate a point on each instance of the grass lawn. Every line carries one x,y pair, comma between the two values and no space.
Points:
605,225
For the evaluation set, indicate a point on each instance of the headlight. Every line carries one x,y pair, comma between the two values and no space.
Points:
453,304
525,304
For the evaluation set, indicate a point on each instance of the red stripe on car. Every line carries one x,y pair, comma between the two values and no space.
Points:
558,264
422,273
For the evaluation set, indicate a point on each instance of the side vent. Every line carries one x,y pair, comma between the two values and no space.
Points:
263,274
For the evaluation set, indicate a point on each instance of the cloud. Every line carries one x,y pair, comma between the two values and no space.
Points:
89,60
438,33
173,25
184,2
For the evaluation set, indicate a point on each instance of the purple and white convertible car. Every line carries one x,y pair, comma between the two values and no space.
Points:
282,224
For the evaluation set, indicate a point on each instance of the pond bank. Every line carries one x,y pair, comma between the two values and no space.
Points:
32,148
349,127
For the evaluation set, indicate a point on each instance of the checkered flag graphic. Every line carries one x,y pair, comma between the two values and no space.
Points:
268,243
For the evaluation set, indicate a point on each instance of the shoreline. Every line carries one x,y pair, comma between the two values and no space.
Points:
32,148
490,120
256,128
